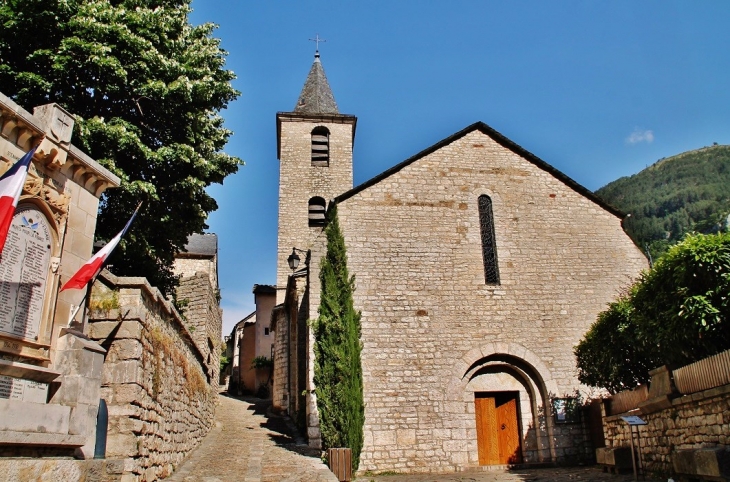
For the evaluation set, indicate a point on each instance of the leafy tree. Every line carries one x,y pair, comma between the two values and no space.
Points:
609,356
337,347
676,313
146,88
683,303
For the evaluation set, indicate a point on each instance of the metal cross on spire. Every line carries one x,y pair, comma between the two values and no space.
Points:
317,40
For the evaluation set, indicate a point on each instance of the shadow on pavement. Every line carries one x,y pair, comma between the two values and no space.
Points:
284,432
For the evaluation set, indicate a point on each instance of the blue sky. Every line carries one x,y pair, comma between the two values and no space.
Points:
599,90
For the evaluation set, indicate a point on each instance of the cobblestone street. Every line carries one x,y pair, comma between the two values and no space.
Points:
245,445
248,445
567,474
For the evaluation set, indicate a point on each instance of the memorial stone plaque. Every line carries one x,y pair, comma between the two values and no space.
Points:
25,390
24,272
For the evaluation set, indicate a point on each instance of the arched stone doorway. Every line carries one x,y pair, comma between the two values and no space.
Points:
510,389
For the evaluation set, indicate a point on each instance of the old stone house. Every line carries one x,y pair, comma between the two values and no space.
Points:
478,267
251,338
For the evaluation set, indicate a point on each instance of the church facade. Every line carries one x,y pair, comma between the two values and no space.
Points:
478,268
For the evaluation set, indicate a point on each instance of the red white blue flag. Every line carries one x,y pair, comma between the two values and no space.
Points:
11,186
92,267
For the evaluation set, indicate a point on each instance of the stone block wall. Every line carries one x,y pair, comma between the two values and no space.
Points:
187,265
203,319
700,420
280,392
155,377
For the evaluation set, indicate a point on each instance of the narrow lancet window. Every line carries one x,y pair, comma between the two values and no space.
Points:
317,208
489,242
320,146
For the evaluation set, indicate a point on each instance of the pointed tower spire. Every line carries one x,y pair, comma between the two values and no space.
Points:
316,96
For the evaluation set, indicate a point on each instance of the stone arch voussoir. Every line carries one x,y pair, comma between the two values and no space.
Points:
515,350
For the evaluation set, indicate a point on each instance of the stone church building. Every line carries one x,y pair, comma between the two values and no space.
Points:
478,268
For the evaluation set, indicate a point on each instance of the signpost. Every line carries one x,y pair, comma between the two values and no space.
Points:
635,421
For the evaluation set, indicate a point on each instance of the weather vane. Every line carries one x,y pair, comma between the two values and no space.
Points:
317,40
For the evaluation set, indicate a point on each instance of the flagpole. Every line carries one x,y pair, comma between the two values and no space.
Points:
81,303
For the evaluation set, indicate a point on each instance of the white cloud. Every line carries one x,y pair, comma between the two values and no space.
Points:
640,135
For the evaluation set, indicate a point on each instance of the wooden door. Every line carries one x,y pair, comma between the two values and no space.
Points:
508,435
486,414
498,438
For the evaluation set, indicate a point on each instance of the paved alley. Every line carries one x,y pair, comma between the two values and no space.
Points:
247,446
564,474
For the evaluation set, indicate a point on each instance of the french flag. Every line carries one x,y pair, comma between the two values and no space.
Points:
92,267
11,186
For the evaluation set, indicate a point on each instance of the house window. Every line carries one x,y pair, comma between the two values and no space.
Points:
317,207
489,242
266,331
320,146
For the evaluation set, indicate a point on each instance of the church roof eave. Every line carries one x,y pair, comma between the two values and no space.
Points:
504,142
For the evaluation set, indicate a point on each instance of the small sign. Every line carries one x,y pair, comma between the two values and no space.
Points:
633,420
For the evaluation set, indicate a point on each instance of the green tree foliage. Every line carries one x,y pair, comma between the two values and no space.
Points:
683,303
675,314
609,355
686,193
146,87
337,347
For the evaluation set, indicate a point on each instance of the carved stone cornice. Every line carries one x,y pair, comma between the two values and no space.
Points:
51,126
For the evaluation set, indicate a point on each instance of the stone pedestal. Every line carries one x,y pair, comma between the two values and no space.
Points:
81,360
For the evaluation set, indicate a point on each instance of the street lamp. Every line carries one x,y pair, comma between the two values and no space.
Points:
294,259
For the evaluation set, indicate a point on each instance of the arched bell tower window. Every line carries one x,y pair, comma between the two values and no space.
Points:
317,208
489,242
320,146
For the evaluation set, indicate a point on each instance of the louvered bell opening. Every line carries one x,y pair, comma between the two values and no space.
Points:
320,150
316,215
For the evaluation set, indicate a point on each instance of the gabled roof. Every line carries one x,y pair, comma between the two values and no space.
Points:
316,96
201,245
499,139
251,318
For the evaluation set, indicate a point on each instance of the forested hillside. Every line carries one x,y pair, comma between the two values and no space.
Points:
676,195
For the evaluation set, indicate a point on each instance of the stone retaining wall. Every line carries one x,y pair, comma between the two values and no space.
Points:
155,379
674,422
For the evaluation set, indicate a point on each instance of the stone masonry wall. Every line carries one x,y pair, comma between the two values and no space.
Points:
700,420
160,401
428,318
280,393
187,265
203,318
299,181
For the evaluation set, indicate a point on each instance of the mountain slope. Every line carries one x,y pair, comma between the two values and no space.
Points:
675,195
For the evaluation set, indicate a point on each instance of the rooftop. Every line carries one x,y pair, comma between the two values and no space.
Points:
201,245
316,96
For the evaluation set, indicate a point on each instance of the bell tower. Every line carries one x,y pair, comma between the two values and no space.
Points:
314,149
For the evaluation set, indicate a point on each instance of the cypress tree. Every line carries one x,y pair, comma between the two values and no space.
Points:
337,347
